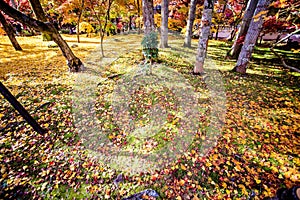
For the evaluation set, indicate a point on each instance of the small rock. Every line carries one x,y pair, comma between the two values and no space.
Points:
52,45
74,45
118,180
139,196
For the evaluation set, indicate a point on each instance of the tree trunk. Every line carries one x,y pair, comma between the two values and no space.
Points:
251,37
14,102
40,15
74,63
10,33
148,16
217,32
78,19
164,23
237,45
139,16
203,39
190,24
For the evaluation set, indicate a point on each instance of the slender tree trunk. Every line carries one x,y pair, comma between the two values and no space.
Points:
107,17
139,16
190,24
103,28
164,23
78,20
223,13
148,16
74,63
251,37
217,32
10,33
203,40
237,45
40,15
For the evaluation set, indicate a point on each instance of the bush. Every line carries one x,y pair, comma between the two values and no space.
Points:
150,45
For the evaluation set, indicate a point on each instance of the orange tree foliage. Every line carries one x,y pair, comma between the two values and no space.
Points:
256,153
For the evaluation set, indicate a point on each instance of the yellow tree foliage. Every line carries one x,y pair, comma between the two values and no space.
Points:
86,27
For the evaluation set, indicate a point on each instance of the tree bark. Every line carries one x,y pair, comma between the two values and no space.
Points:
148,16
237,45
74,63
139,16
164,23
78,20
40,15
14,102
251,36
190,24
10,33
203,39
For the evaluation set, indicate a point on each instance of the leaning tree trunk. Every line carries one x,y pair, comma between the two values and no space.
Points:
251,37
148,16
238,43
203,40
74,63
10,33
190,23
164,23
40,15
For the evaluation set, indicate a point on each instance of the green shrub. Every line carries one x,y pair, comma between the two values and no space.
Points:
150,46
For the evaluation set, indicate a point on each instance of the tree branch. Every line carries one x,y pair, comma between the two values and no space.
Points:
280,57
35,24
283,61
286,37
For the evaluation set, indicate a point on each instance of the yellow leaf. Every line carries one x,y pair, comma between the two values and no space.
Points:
277,16
195,197
3,168
44,186
178,198
257,181
72,167
224,185
181,182
183,167
189,173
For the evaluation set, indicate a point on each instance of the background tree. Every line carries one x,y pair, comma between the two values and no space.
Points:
203,39
10,32
101,11
72,11
238,43
148,16
164,23
138,5
190,24
251,36
220,16
74,63
285,19
79,18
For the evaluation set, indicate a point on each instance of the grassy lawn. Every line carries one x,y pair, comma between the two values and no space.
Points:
224,136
